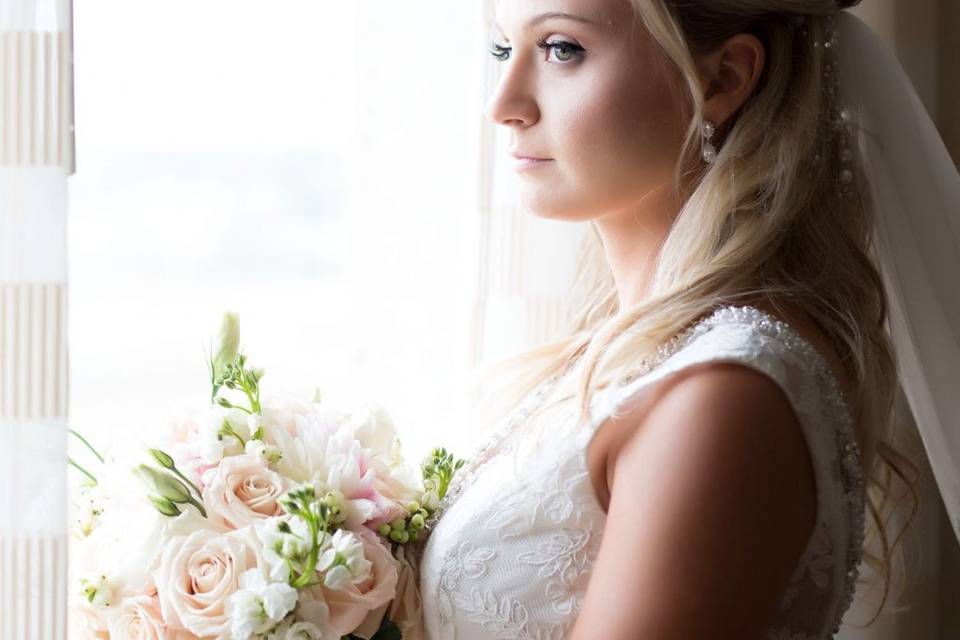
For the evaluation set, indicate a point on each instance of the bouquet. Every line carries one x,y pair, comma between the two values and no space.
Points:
277,518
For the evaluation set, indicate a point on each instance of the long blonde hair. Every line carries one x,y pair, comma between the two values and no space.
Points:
762,222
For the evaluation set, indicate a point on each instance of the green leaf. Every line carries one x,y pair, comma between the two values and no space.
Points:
388,631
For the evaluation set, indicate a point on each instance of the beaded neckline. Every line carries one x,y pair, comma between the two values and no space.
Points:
851,471
848,449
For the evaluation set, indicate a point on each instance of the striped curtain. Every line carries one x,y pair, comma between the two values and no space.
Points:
36,157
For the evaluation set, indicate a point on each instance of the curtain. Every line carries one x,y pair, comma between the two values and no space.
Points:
36,158
526,265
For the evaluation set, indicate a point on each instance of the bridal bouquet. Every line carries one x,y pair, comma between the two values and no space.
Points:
276,518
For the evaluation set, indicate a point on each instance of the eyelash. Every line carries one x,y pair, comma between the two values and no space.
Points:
502,53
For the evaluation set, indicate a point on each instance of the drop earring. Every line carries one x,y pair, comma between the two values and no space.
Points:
709,151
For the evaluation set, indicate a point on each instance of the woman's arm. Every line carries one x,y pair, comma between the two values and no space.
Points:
712,502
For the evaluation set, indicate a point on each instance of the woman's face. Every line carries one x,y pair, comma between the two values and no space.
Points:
591,96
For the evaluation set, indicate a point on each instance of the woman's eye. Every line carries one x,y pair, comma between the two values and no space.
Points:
565,51
499,52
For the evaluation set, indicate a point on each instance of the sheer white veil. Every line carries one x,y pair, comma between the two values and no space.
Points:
915,191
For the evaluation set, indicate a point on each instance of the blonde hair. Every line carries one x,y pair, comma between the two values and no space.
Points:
763,222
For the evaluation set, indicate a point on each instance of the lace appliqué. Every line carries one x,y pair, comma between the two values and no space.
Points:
514,561
464,560
564,560
505,617
818,564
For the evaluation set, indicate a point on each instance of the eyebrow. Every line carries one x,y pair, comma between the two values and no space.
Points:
553,14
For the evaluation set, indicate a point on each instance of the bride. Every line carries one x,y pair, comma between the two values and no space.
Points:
694,459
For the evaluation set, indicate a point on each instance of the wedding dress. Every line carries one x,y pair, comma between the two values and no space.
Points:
511,557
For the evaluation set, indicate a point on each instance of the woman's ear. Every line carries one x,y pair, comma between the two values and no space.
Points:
729,75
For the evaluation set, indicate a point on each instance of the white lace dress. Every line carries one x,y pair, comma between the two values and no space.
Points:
510,557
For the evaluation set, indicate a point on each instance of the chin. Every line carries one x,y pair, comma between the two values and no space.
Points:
556,211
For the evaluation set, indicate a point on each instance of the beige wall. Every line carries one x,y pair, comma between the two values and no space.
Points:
925,35
949,36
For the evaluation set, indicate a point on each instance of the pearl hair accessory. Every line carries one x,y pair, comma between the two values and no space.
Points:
840,118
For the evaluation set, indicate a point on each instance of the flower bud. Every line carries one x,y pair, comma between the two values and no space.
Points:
228,342
396,536
413,506
399,524
165,485
162,458
164,506
416,522
384,529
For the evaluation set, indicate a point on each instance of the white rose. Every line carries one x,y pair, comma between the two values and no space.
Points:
297,630
304,631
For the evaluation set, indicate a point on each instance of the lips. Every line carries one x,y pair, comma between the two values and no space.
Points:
523,164
527,156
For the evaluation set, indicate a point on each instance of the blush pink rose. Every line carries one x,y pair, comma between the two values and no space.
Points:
197,575
407,608
138,618
357,605
87,621
241,491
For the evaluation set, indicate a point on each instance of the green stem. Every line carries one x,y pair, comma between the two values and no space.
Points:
71,462
311,567
236,406
187,480
254,399
228,430
199,506
89,446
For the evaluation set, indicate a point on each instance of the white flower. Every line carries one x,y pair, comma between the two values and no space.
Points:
303,631
92,502
210,444
270,454
97,589
293,630
430,500
342,561
258,605
279,546
374,428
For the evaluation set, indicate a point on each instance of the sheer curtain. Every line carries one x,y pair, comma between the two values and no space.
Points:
36,158
527,267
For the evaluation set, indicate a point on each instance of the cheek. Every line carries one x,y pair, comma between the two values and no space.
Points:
615,148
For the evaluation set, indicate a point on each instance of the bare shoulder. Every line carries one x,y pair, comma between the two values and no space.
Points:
712,501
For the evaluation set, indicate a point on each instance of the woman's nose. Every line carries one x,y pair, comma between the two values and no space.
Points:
512,102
